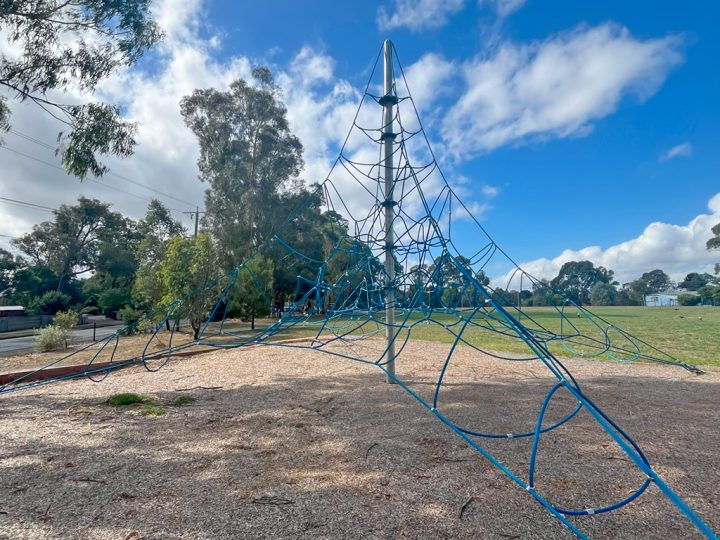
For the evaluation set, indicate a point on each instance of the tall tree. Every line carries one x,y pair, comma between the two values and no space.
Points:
602,294
155,231
71,44
714,242
8,265
187,273
656,281
82,238
30,283
249,157
693,281
576,277
253,289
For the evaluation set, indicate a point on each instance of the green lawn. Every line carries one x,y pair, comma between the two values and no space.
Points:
691,334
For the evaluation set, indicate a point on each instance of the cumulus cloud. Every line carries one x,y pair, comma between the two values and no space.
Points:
320,108
417,15
166,153
429,79
681,150
677,249
554,88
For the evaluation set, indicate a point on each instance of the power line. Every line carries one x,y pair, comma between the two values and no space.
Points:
111,173
27,204
28,156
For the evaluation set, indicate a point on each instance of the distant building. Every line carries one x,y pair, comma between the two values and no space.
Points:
668,297
12,311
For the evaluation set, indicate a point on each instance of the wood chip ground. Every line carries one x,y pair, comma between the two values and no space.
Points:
290,443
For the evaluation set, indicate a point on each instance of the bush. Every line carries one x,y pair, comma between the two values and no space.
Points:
114,300
90,310
130,317
52,338
66,320
51,302
688,299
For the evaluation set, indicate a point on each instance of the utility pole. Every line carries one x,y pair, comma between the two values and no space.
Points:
196,216
389,100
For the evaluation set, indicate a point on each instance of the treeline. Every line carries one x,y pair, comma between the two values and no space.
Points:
586,284
96,261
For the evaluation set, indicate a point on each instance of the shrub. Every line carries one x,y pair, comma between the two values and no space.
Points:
688,299
130,317
51,302
66,319
119,400
114,300
90,310
52,338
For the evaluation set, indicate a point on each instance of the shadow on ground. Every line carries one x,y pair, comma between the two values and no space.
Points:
279,454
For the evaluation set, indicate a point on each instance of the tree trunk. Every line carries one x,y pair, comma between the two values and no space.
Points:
252,321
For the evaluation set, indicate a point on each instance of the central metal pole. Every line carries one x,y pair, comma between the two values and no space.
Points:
388,101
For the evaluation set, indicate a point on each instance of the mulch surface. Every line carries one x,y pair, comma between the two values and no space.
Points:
293,443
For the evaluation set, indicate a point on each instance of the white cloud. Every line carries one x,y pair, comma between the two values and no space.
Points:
429,79
166,155
503,8
417,15
676,249
320,109
490,191
681,150
554,88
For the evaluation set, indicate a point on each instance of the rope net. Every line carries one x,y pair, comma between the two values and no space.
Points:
340,295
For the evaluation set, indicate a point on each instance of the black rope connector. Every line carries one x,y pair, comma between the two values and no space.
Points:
388,135
388,99
388,203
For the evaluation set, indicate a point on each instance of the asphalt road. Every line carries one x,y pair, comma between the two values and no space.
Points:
28,342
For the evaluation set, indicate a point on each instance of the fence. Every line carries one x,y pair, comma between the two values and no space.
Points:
12,324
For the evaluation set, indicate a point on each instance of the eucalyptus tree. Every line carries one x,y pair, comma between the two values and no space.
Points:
85,237
248,156
155,230
61,46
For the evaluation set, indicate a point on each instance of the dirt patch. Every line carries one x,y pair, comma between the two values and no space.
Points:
288,443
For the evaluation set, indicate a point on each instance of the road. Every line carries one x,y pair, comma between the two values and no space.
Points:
28,342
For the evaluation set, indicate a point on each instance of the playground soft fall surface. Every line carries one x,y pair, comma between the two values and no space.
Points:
293,443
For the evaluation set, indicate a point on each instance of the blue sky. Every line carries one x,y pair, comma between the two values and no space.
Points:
601,121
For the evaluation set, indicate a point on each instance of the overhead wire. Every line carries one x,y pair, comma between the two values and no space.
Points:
110,173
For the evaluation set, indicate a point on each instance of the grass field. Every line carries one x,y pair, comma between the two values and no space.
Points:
691,334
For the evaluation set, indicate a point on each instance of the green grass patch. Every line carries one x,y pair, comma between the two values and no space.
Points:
183,400
151,410
122,400
690,334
